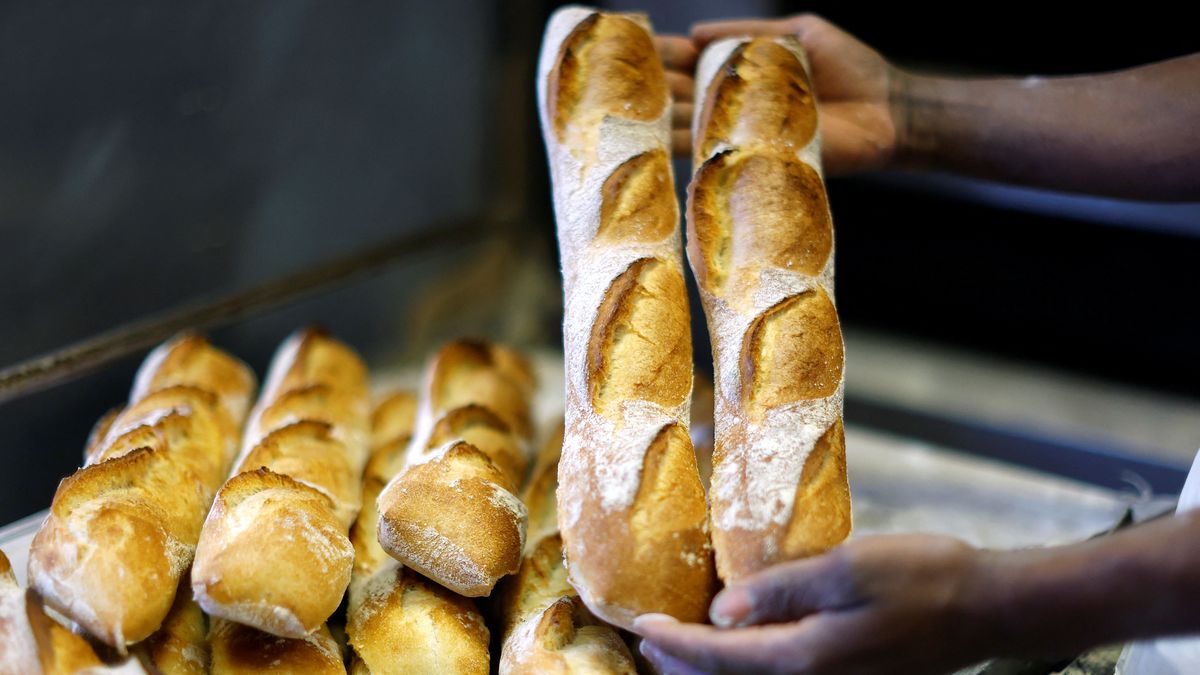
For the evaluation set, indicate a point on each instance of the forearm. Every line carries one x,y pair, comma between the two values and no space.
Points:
1133,133
1138,583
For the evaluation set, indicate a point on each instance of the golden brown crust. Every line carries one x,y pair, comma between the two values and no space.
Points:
469,372
121,532
489,434
393,418
748,210
547,628
190,360
307,452
638,201
539,493
761,96
408,624
180,646
792,352
606,66
259,519
59,651
240,649
668,513
451,514
820,518
6,573
433,516
641,343
95,441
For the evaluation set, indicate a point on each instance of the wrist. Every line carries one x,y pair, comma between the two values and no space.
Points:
900,111
913,101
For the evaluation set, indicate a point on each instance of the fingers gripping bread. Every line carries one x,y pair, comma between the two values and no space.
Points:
275,552
397,621
452,514
760,242
545,626
631,508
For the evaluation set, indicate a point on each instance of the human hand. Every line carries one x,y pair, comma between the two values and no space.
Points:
857,90
885,604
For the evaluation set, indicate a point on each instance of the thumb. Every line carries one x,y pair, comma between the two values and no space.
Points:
784,593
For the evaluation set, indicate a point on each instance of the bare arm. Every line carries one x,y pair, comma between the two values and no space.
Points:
926,604
1133,133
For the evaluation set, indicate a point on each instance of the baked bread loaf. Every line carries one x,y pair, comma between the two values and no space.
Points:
180,646
397,621
275,552
32,643
452,514
122,530
631,508
760,242
545,627
238,650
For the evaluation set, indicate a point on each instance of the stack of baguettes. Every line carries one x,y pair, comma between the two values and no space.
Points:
123,529
275,551
398,621
452,513
631,509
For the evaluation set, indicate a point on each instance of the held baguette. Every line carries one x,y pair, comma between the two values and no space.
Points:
631,508
275,553
398,622
760,242
452,514
545,627
122,530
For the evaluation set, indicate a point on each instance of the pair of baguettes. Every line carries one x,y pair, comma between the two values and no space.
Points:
452,513
123,529
398,621
631,508
275,551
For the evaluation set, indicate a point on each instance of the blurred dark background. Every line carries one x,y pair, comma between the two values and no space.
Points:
153,154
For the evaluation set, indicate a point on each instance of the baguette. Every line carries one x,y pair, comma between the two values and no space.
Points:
123,529
760,242
238,650
30,642
545,627
398,622
275,552
180,646
452,514
631,508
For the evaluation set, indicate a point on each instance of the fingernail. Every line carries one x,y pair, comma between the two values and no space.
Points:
653,618
729,607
